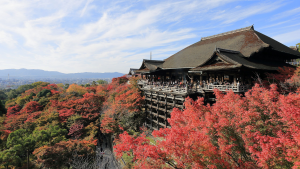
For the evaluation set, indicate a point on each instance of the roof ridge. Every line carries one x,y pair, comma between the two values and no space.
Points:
229,32
148,60
227,50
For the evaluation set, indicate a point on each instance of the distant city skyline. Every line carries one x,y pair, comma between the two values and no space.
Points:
112,36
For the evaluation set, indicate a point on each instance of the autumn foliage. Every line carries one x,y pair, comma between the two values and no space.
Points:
122,107
56,122
259,130
52,123
60,154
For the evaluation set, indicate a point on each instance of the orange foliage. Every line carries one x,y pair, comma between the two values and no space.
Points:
260,130
74,88
61,153
89,106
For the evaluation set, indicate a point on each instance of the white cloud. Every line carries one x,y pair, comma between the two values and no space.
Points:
288,37
85,7
289,13
7,39
106,36
232,15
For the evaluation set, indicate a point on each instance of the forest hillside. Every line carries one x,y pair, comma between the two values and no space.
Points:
43,124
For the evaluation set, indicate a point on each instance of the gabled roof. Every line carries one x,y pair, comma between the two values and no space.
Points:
275,45
246,40
151,65
132,71
233,59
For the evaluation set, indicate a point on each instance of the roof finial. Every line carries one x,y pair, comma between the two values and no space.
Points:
151,55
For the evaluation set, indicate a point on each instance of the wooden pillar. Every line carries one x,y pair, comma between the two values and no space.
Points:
208,77
166,121
146,112
234,79
174,102
157,107
151,115
242,77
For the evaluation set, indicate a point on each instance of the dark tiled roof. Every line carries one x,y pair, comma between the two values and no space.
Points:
277,45
239,59
235,59
132,71
216,66
146,70
245,40
152,65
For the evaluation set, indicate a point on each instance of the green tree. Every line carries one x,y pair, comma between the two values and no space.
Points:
50,136
43,93
66,86
3,95
101,81
40,83
23,88
12,94
3,133
43,101
9,158
2,109
22,143
298,46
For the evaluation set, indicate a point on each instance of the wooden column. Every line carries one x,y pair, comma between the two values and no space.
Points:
201,79
166,121
208,77
146,112
157,106
151,116
222,77
234,79
174,102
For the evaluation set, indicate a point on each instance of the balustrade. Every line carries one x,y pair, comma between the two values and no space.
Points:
197,88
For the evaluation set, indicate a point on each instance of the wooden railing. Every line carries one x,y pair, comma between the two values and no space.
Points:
174,89
237,88
197,88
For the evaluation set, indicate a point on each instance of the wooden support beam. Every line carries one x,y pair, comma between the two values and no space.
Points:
157,109
151,107
166,122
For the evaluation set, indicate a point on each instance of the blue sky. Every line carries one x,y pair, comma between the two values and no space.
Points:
72,36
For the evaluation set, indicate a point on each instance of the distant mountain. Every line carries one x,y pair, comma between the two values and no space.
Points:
37,73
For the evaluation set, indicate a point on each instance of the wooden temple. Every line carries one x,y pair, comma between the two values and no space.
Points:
133,72
227,61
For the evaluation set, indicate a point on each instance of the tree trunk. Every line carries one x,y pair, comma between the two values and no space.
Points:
27,159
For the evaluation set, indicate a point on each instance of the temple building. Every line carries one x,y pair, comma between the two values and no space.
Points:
132,72
227,61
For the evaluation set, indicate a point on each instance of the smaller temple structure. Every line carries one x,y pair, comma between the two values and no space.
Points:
227,61
132,72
